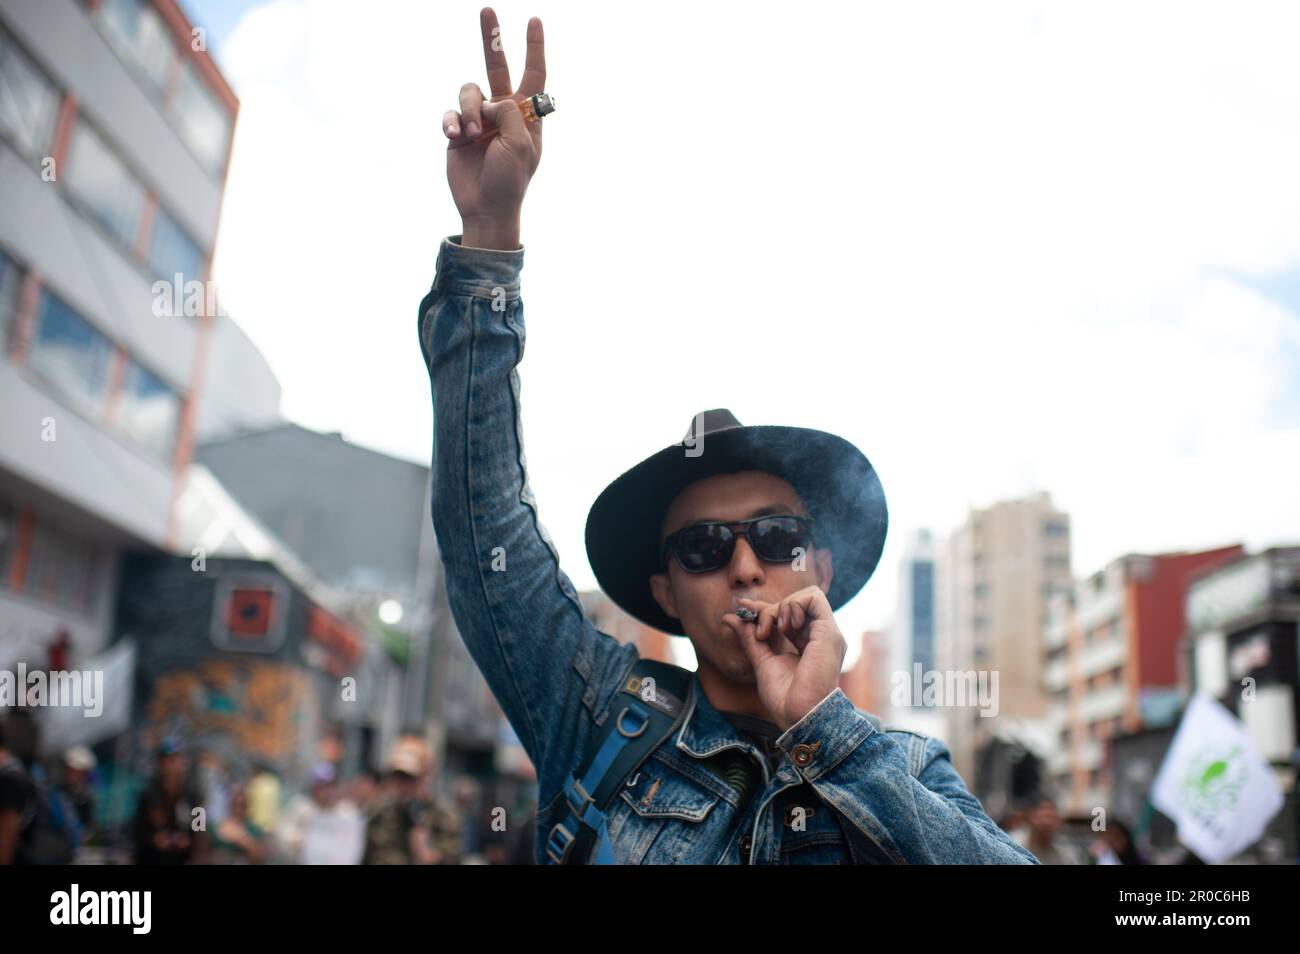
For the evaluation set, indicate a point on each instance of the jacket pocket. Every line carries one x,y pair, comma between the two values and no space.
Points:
664,817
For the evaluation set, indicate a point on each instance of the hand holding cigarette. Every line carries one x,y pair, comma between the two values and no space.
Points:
796,649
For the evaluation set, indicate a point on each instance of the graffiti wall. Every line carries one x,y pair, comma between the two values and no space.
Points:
240,710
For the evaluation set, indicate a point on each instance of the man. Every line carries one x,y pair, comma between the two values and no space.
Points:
77,789
18,800
771,763
323,827
1044,837
164,827
410,827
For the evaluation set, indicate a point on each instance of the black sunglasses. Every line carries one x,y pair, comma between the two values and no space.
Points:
709,546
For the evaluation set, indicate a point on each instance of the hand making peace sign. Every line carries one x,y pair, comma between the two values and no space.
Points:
488,178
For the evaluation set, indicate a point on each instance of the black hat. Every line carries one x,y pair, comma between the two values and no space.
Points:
834,479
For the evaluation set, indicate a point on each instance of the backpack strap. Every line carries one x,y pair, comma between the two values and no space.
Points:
645,711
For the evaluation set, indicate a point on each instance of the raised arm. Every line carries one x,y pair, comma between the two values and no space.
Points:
518,613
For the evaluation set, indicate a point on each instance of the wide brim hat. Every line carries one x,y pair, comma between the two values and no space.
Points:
834,479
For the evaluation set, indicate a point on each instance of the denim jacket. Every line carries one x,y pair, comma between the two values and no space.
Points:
852,792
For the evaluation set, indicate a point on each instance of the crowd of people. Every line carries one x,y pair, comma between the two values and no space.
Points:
45,816
1039,828
184,816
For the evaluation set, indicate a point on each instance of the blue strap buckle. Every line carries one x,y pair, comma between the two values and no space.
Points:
579,808
559,844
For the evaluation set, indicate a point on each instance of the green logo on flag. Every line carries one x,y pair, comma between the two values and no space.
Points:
1215,778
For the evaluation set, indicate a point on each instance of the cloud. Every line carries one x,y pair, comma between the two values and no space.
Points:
998,247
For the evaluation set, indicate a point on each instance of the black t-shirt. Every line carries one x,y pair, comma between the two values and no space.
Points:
738,769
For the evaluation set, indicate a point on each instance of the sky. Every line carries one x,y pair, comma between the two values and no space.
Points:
1001,247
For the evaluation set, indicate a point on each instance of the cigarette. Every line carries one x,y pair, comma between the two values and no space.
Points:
747,614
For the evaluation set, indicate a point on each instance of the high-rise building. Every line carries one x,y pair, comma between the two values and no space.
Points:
995,577
115,133
1111,663
914,617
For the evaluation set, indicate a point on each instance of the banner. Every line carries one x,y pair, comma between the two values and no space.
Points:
1214,784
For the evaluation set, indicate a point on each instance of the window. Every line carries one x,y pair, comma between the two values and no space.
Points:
171,250
70,354
202,120
29,103
103,184
62,570
1054,528
8,540
149,409
923,602
10,280
135,30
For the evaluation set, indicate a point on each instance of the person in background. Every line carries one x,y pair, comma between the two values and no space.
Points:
366,792
410,827
264,799
17,804
164,827
77,790
1114,846
237,840
1045,840
322,828
521,850
476,837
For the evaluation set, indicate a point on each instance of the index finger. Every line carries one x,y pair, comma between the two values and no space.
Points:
494,54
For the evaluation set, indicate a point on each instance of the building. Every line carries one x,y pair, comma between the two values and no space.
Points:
358,521
240,391
1242,646
1241,643
1111,663
995,576
239,662
914,616
115,133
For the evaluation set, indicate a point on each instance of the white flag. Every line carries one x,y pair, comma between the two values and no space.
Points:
1214,783
64,727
